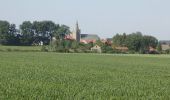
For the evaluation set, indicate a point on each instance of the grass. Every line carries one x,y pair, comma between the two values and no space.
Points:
52,76
20,48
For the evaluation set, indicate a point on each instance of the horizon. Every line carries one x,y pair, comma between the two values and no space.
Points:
95,17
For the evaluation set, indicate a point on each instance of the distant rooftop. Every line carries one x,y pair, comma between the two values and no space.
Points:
90,37
165,41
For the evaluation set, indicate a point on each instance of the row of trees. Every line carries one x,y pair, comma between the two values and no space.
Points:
135,42
31,33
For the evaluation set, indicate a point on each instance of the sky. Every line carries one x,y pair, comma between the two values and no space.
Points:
102,17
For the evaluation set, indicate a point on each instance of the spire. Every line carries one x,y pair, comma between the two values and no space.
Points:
77,26
77,32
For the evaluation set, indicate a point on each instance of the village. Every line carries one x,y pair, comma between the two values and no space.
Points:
54,37
94,39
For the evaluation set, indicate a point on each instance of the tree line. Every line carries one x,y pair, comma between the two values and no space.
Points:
136,42
31,33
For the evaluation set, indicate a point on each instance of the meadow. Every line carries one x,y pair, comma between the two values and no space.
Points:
20,48
52,76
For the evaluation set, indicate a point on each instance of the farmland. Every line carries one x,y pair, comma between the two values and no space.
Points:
20,48
51,76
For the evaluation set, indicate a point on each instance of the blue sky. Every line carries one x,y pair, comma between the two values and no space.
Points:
102,17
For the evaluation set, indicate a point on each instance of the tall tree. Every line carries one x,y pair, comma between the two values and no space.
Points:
119,40
4,32
62,31
12,37
134,41
159,47
27,33
149,41
44,30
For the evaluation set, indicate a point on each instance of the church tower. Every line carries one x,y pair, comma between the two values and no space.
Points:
76,34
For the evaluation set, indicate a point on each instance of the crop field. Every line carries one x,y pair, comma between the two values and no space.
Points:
52,76
20,48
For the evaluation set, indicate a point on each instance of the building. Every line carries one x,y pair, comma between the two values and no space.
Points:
165,45
165,42
96,49
84,38
87,38
107,41
122,49
75,34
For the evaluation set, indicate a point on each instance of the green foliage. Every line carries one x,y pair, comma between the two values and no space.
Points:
44,49
159,47
20,48
119,40
31,33
99,43
7,33
62,31
167,51
136,42
107,49
27,33
42,76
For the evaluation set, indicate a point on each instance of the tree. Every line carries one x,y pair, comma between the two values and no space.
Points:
99,43
8,33
27,33
149,41
119,40
74,44
134,41
44,31
12,37
159,47
62,31
4,32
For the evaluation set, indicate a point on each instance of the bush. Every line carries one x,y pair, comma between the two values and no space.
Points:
167,51
154,52
71,51
8,49
44,49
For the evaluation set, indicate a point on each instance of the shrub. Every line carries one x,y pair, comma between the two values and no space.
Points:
44,49
8,49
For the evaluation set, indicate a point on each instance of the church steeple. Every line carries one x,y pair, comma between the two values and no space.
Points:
77,32
77,26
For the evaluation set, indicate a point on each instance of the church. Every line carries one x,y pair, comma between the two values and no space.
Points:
83,38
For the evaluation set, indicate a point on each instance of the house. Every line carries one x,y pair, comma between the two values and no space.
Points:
69,37
165,41
165,47
83,38
122,49
97,49
87,38
165,44
107,41
151,49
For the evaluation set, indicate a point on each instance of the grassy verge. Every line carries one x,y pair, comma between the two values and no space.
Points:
20,48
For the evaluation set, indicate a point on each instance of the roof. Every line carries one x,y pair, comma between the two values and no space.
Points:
165,41
165,46
90,37
69,37
96,47
152,49
109,39
121,48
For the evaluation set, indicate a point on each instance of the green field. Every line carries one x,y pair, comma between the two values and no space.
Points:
20,48
52,76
